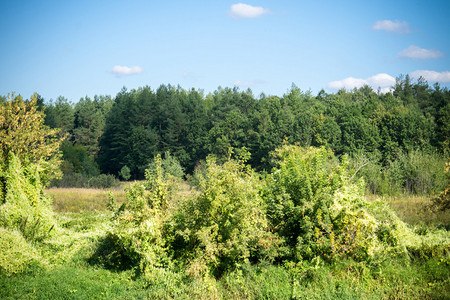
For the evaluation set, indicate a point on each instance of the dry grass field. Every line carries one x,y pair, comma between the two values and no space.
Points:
82,199
415,210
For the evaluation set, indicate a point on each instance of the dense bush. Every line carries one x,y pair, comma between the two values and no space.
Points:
442,201
316,205
16,253
136,237
414,172
78,180
214,229
225,224
170,166
125,173
24,205
103,181
417,172
310,206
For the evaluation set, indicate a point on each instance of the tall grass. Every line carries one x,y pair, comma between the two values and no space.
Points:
416,210
82,199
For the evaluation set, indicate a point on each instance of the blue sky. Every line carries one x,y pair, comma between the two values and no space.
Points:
82,48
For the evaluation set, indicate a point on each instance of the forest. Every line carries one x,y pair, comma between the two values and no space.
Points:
227,194
395,133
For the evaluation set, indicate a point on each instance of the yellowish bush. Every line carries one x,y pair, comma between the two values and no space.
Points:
16,253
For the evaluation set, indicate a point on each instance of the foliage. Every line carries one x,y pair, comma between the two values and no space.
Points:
170,167
442,201
315,206
24,206
125,173
225,225
415,172
103,181
311,204
16,253
136,237
22,132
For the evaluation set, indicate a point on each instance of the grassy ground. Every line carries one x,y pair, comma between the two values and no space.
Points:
415,210
67,270
81,199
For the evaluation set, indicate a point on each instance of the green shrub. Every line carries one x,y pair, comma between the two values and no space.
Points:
76,180
16,253
125,173
313,203
225,225
24,205
136,237
103,181
314,207
170,166
442,201
417,172
413,172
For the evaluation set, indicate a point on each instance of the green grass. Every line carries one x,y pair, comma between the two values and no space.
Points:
66,270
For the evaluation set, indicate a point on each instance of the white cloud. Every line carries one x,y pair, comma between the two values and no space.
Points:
382,80
432,75
241,10
392,26
125,71
347,83
415,52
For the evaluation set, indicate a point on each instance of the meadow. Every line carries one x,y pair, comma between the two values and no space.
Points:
69,269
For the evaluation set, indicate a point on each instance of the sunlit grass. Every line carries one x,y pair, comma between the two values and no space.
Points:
415,210
82,199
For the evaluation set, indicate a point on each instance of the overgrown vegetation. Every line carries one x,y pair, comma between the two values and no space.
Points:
29,159
404,135
304,229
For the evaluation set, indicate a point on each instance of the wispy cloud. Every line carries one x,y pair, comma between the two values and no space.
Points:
248,83
392,26
415,52
241,10
433,76
382,80
126,71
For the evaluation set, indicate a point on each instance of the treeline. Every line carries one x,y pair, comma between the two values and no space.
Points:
401,138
